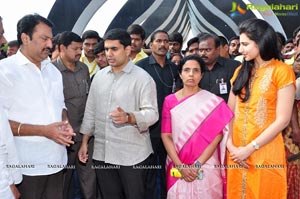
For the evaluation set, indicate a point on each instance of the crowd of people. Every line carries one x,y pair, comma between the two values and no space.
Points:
85,116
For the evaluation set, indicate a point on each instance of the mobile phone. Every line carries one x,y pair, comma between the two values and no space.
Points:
175,173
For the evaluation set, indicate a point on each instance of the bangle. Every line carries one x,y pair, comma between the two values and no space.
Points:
19,128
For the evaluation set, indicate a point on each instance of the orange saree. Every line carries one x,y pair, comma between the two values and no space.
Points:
266,177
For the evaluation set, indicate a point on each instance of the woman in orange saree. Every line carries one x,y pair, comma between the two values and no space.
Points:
262,98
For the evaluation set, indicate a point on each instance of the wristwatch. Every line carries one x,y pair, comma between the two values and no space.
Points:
128,117
198,164
255,145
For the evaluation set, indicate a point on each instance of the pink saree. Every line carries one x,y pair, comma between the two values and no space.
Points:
194,123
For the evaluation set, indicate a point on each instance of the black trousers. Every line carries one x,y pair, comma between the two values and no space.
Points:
42,187
86,174
156,178
120,182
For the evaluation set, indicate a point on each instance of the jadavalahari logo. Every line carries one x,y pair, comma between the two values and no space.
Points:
278,9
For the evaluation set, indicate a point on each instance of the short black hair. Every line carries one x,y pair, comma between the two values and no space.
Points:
280,39
55,41
137,30
90,34
295,32
152,37
118,34
223,40
206,36
27,24
67,37
99,47
176,36
13,43
233,38
191,41
192,57
289,40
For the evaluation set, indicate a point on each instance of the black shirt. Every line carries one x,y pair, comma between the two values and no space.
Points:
222,71
165,78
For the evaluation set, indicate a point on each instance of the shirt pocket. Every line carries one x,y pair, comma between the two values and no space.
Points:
76,90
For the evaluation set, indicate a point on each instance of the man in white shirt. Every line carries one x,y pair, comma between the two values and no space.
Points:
10,174
31,91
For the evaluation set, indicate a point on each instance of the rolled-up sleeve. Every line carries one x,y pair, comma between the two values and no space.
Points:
148,113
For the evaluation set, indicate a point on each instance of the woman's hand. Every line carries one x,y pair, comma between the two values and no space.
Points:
240,154
189,174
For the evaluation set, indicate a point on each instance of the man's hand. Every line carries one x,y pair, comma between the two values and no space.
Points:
15,191
118,116
83,153
60,132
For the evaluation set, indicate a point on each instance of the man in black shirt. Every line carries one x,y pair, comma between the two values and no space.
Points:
218,70
166,76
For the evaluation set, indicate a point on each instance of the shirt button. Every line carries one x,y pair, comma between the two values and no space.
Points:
106,141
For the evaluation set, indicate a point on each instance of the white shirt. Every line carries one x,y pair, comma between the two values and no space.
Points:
34,96
8,158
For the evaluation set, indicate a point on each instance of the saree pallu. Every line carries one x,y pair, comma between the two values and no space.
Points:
196,121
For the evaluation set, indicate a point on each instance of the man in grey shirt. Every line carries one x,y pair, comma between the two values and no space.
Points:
76,81
120,108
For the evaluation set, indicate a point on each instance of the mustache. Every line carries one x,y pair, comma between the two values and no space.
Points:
162,48
204,57
47,49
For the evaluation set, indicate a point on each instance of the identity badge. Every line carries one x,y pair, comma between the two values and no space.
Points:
223,88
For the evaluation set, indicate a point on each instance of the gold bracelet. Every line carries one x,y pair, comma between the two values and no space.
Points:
19,127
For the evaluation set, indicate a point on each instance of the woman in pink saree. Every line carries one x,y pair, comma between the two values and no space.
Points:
193,123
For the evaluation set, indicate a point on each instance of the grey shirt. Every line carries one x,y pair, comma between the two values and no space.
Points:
76,87
134,90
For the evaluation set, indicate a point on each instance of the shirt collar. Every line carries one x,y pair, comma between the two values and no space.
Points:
127,69
219,63
152,60
21,59
61,67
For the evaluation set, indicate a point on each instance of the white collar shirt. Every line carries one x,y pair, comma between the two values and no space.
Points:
34,96
9,173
